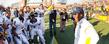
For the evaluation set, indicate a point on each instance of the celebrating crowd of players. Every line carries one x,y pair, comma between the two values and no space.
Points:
20,26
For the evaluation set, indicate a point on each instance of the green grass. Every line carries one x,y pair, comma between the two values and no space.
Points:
60,38
101,27
67,37
103,31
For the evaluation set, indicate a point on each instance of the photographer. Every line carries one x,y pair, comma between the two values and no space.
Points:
63,18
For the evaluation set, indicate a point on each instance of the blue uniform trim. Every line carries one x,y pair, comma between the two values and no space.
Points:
1,30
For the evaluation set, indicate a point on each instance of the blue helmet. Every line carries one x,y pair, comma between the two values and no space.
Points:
77,10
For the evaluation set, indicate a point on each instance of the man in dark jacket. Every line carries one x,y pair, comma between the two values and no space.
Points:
63,18
52,21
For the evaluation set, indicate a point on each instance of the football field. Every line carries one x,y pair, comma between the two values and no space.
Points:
67,37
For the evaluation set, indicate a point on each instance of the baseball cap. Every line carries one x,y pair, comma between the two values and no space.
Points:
77,10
